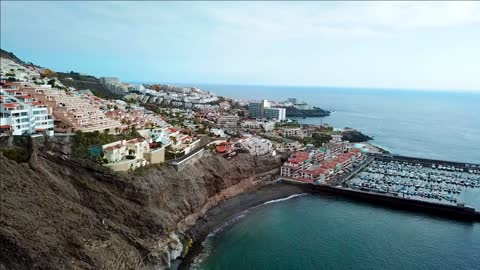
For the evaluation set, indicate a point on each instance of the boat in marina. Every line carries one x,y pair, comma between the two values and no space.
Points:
441,183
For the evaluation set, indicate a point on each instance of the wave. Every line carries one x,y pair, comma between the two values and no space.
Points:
286,198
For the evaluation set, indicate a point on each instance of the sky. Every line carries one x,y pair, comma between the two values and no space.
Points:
418,45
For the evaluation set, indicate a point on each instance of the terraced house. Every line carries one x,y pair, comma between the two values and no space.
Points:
72,111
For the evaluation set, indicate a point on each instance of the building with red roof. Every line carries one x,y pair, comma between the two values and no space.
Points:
320,165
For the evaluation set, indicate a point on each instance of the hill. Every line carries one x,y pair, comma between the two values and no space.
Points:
63,212
10,56
69,79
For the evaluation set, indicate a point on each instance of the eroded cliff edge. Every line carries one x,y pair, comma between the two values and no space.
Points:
62,212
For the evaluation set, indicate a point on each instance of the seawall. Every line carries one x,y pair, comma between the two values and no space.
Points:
445,210
428,162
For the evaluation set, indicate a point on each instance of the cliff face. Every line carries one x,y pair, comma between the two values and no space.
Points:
59,212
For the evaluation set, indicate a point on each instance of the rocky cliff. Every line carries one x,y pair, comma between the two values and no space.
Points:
355,136
62,212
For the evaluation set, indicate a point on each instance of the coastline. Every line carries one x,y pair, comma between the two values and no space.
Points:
218,216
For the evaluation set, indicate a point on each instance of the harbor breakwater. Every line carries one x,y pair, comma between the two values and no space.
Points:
445,210
427,162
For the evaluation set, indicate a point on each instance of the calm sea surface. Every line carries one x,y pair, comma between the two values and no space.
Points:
313,232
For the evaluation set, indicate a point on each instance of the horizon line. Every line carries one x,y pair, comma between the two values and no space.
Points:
376,88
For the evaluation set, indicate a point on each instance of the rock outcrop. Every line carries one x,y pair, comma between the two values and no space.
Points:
62,212
355,136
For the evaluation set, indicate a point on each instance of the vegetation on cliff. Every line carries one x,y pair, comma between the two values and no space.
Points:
315,112
84,140
355,136
82,81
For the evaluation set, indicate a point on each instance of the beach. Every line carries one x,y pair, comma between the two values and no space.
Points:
220,215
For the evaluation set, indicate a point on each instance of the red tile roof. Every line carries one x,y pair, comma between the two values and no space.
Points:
10,105
298,157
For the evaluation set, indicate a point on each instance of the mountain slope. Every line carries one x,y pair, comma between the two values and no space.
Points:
59,212
70,79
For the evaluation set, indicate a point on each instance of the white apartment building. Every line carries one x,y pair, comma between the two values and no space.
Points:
278,114
20,114
254,124
255,146
293,132
228,121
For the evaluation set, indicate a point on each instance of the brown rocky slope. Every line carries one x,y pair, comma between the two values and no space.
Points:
62,212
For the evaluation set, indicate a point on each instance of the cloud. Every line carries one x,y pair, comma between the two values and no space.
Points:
297,42
279,20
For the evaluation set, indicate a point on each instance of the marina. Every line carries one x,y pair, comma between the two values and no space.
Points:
432,182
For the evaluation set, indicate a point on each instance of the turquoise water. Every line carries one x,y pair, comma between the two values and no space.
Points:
313,232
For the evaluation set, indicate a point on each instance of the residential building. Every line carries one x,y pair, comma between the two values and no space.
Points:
278,114
72,111
114,85
267,126
254,145
256,109
218,132
264,109
128,155
292,132
316,166
21,114
228,121
296,162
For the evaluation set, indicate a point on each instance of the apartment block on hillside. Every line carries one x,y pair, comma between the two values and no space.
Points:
72,111
20,113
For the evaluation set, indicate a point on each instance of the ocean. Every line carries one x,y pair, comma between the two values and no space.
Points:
314,232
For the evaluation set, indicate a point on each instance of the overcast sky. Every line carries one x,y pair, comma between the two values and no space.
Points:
430,45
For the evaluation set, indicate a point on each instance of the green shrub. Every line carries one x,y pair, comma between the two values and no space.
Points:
18,154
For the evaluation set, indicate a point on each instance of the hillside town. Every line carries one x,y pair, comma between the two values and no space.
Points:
142,124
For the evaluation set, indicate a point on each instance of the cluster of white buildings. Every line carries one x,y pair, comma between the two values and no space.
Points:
28,108
13,70
182,97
